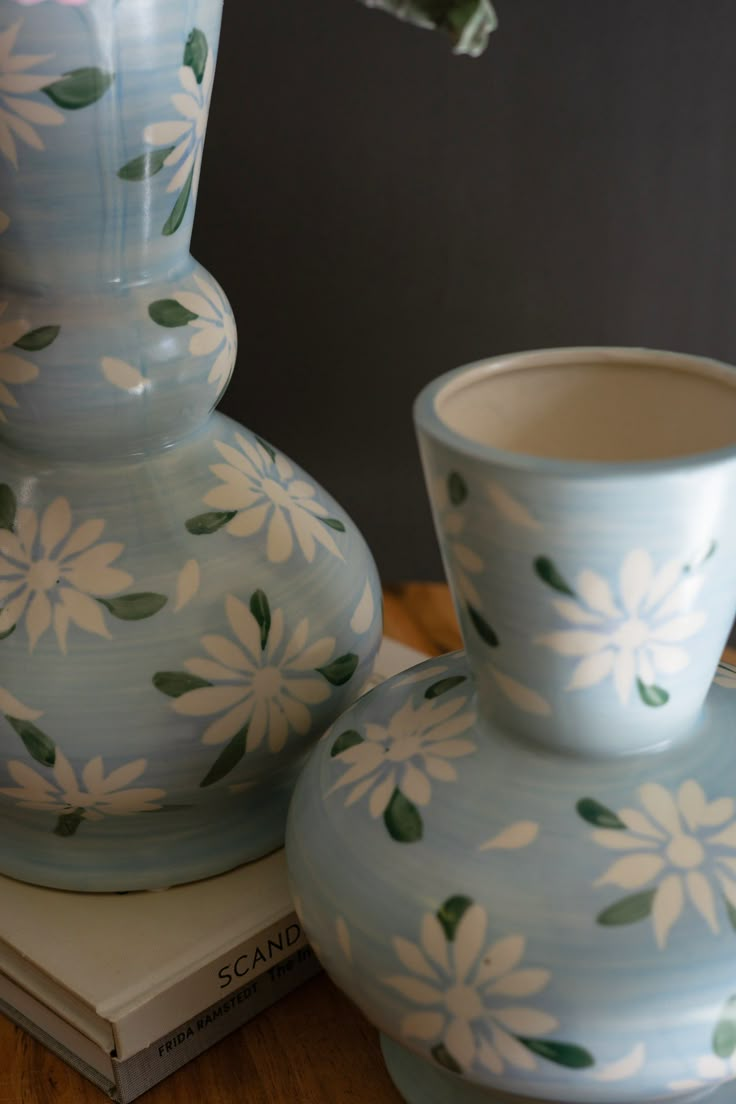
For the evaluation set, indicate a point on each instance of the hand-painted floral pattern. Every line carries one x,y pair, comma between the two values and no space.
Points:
634,639
178,143
720,1065
261,684
449,496
468,994
91,797
259,491
682,847
14,369
19,115
206,312
52,573
394,765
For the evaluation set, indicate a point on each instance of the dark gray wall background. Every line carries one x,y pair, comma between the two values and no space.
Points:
380,211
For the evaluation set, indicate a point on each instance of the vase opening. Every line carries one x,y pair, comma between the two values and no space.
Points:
594,405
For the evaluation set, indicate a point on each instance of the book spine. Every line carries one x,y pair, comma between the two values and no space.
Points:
212,982
140,1072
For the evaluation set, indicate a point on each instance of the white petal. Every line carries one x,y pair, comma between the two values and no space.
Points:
467,558
206,341
633,871
412,957
87,534
279,543
726,838
55,524
230,723
245,626
662,584
84,612
364,612
574,612
123,375
489,1057
592,670
207,700
469,939
11,707
415,785
38,617
511,1050
38,113
434,941
422,1025
187,584
679,628
625,1067
701,894
596,593
420,992
692,803
509,507
624,672
637,822
520,983
439,769
525,1021
381,796
460,1041
165,134
636,579
661,807
523,697
666,908
668,660
518,835
616,840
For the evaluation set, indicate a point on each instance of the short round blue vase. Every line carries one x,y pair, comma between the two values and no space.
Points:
520,860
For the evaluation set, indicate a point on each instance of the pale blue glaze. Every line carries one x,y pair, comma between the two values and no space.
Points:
110,445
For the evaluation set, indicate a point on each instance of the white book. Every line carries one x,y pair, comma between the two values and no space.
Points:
131,986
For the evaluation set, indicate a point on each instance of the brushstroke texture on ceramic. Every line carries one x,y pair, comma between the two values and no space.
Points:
529,848
182,610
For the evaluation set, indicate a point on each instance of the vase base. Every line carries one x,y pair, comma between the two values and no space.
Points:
421,1082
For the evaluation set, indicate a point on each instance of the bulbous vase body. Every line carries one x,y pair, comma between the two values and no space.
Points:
520,860
183,610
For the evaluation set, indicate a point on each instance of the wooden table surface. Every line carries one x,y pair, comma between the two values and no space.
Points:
313,1047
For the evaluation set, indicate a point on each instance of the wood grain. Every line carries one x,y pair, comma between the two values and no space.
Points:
314,1046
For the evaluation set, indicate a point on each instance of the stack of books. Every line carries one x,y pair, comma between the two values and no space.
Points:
129,987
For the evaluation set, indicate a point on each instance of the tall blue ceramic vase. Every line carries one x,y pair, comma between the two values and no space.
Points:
182,610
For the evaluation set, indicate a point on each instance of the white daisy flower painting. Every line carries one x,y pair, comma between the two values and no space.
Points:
258,686
91,796
53,574
260,492
207,313
396,766
468,996
677,851
178,143
633,635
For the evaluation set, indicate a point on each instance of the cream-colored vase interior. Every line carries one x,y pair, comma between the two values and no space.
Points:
594,405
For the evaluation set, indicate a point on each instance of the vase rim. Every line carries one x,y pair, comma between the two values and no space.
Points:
429,419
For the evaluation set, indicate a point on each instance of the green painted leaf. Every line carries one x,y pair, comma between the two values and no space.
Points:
562,1054
228,759
267,449
731,911
38,339
176,683
442,1056
457,488
402,819
261,610
333,524
654,696
345,740
170,313
195,53
598,815
724,1036
549,574
134,607
204,524
443,686
8,507
341,670
451,913
629,910
38,745
469,22
148,164
178,211
68,823
481,626
79,88
7,633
